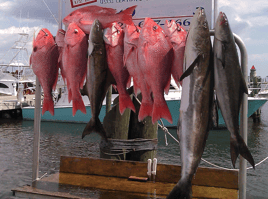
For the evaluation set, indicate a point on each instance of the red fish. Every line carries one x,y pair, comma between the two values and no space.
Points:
74,59
177,36
155,55
60,42
131,62
84,17
44,60
114,39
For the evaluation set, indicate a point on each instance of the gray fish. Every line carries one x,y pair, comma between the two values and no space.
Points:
230,85
196,102
98,78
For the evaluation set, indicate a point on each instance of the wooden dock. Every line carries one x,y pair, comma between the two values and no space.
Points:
100,178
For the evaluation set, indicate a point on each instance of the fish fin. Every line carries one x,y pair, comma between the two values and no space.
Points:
244,85
56,80
125,102
238,146
145,110
167,87
127,54
48,105
128,81
78,104
30,62
83,80
189,69
137,90
126,15
90,47
182,190
70,96
94,125
161,110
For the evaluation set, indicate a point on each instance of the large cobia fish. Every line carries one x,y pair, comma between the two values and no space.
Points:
131,39
155,55
59,39
230,85
99,78
74,60
196,102
114,40
84,17
44,60
177,36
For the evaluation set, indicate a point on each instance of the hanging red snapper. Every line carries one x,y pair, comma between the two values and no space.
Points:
44,60
177,36
155,55
60,42
84,17
114,40
74,60
131,62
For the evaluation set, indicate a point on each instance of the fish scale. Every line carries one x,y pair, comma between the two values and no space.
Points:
196,103
44,61
155,55
131,61
74,60
114,43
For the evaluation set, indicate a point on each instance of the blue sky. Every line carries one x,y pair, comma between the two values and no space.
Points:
248,19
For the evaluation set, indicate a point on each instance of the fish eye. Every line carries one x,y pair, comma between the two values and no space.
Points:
71,14
75,31
154,27
179,28
35,49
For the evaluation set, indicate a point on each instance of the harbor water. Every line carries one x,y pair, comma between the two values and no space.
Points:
64,139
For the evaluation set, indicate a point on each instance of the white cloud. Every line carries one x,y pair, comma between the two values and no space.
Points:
259,57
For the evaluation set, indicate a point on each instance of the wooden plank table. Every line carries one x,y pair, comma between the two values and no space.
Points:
101,178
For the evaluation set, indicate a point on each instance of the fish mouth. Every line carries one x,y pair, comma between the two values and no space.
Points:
223,18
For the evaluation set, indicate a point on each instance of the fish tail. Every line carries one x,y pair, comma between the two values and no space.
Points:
125,102
182,190
78,104
94,125
145,110
161,110
127,15
238,146
48,105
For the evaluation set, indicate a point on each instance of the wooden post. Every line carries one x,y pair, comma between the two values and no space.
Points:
108,99
145,130
116,127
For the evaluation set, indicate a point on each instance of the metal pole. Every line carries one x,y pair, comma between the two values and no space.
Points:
216,11
60,14
242,181
37,118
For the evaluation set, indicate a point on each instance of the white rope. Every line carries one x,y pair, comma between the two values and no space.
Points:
214,165
50,12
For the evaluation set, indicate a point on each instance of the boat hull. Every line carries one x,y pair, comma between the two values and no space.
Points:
64,113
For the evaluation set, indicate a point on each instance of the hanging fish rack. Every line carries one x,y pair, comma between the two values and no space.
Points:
68,163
